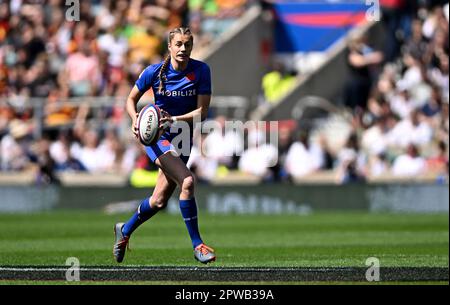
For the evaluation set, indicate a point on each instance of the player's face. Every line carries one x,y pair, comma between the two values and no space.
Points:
180,47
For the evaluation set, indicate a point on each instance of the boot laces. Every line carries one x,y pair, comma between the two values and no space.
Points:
204,249
124,242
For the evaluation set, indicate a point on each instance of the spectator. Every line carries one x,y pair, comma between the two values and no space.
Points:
104,16
46,167
6,115
111,151
434,20
277,83
441,124
217,15
60,152
438,163
402,104
144,43
374,139
361,60
129,156
4,17
304,157
204,167
285,141
224,143
178,14
61,39
59,149
116,47
348,172
89,154
439,77
377,107
413,130
413,73
351,162
39,79
115,157
202,39
81,74
260,156
437,49
446,11
410,164
32,44
328,154
434,104
416,45
14,147
397,16
378,165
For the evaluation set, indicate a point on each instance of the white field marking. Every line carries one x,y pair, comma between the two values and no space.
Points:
161,268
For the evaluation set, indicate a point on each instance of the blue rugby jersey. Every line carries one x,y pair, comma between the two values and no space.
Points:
181,88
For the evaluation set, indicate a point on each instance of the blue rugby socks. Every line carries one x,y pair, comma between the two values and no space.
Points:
143,213
189,212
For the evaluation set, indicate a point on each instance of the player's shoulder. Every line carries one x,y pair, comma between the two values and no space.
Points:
153,68
150,71
198,64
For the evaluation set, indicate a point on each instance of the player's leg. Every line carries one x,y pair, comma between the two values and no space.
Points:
162,192
150,206
176,169
147,208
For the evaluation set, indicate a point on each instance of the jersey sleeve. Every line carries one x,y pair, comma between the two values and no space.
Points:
144,81
204,86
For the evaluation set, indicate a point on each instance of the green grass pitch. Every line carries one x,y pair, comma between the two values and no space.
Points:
318,240
321,239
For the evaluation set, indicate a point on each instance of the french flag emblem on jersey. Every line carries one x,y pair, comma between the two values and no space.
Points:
191,76
165,143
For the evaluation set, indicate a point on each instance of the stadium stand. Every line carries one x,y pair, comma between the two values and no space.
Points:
62,89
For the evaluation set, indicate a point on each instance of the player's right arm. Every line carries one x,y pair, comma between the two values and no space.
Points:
141,86
132,100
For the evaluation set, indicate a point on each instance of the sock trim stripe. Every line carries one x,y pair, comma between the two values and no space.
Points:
190,218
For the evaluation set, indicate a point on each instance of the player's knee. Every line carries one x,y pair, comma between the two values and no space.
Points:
158,202
187,185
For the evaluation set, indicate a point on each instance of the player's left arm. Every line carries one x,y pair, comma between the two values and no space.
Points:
200,113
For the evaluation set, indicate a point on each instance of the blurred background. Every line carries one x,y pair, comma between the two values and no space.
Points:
360,93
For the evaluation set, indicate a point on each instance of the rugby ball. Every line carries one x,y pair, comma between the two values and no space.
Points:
148,124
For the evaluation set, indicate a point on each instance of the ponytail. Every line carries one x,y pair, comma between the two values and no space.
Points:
162,74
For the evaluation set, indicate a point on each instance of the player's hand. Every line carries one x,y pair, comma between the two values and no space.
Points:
166,120
134,127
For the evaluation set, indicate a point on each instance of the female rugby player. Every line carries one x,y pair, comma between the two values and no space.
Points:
182,89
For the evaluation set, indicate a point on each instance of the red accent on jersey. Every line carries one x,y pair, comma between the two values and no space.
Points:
165,143
191,76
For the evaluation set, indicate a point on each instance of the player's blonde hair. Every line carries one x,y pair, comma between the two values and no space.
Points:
162,72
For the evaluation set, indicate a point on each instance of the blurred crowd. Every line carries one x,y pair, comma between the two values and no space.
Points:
398,97
46,54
